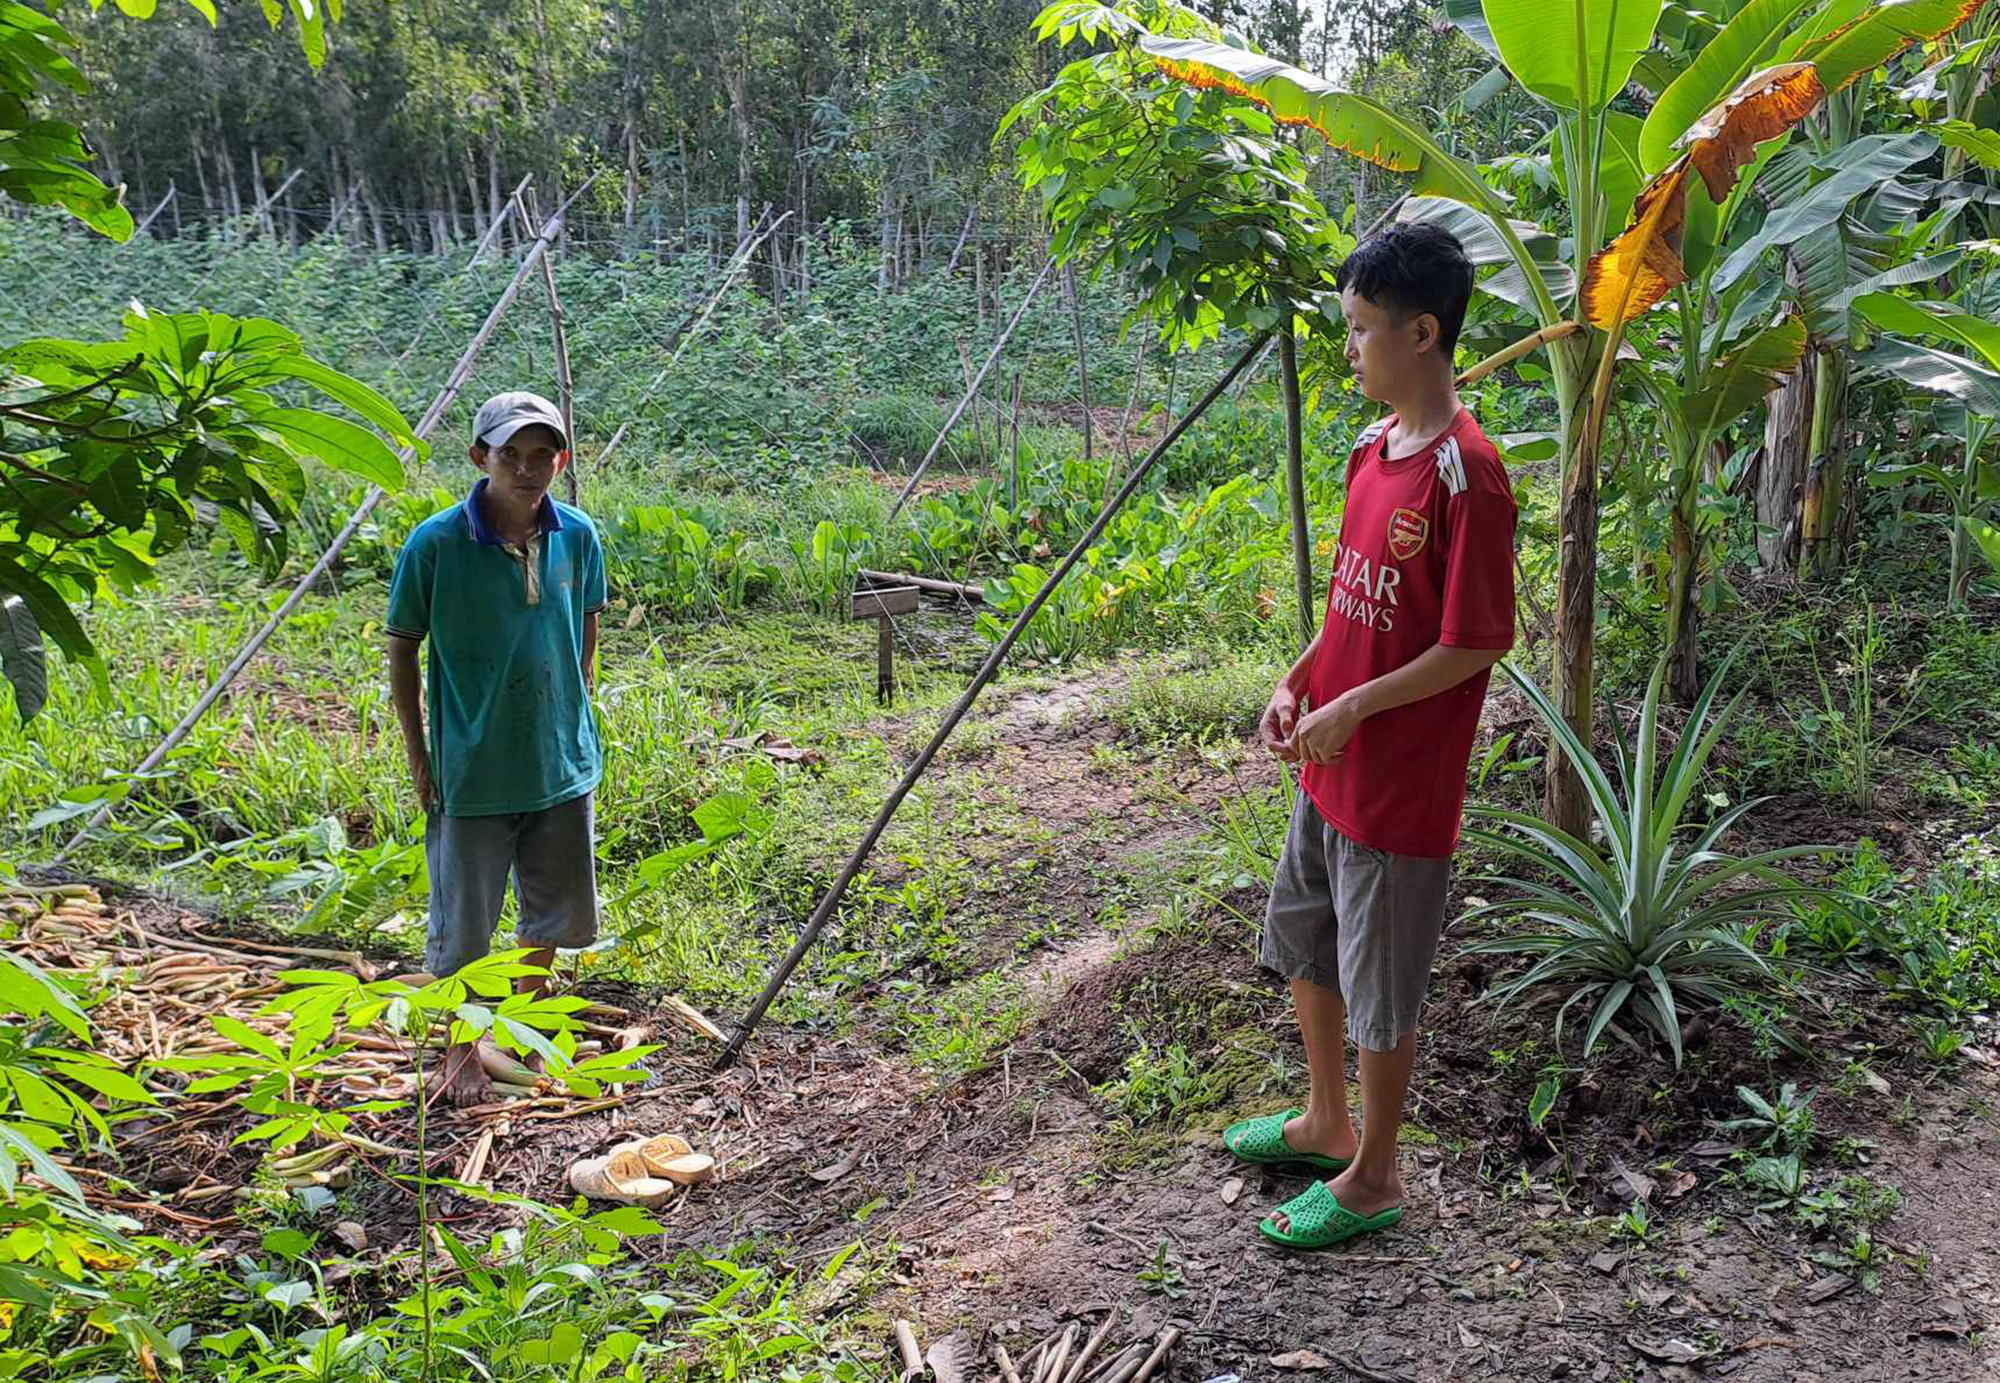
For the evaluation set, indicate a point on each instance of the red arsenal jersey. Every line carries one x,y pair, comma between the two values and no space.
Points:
1426,556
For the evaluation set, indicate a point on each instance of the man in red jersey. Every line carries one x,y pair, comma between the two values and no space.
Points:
1381,710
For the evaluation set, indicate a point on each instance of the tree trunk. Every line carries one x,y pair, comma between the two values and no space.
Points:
1295,481
263,196
1082,365
886,227
739,122
1787,437
1824,494
1575,692
1683,616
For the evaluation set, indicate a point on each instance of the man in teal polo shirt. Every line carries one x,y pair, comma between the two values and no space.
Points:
506,586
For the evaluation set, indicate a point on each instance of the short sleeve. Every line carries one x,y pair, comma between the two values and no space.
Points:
410,588
1479,569
594,594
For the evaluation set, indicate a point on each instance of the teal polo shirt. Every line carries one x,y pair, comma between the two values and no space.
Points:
512,728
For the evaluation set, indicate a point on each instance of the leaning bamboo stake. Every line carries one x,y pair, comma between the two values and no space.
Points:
565,382
1295,479
1052,1368
1007,1370
906,1342
459,375
1168,1338
971,391
831,899
736,266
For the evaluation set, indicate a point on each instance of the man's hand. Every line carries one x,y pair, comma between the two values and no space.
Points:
420,775
1322,735
1280,719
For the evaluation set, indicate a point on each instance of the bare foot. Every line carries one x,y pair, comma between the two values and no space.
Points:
1306,1135
462,1080
1364,1197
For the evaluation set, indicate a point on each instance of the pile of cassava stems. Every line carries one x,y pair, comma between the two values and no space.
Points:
157,997
1065,1355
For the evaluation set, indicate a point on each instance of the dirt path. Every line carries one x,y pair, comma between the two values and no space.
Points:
1014,1196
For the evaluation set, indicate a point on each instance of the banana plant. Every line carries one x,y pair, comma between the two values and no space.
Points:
1575,58
1974,383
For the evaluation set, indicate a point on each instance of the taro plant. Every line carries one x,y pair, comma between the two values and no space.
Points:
1656,921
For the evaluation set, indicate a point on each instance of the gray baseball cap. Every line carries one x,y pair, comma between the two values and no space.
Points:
503,415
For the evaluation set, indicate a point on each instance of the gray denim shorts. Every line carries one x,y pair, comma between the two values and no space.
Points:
1361,922
552,856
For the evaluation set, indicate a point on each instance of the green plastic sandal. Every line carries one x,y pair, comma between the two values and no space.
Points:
1262,1140
1319,1221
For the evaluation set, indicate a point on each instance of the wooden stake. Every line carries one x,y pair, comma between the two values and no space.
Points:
830,900
565,384
1082,367
1295,480
744,250
952,421
1008,1373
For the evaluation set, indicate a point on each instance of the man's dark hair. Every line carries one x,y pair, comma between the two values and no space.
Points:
1413,267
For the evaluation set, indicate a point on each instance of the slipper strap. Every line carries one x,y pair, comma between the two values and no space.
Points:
1319,1220
1261,1139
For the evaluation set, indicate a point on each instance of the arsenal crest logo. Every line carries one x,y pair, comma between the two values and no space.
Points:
1408,531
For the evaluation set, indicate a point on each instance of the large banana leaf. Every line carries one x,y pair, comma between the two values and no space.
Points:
1892,313
1347,121
1619,171
1643,264
1484,245
1881,33
1935,372
1863,165
1736,383
1574,54
1742,47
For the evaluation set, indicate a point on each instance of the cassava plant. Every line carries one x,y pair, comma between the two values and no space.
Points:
1658,920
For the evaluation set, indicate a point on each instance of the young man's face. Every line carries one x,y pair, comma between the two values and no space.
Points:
1384,347
525,465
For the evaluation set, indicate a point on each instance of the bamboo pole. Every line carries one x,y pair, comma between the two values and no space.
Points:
439,405
952,421
565,382
1082,366
744,250
1295,477
838,889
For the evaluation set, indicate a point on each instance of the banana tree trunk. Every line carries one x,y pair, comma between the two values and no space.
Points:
1295,480
1574,691
1787,442
1824,496
1683,616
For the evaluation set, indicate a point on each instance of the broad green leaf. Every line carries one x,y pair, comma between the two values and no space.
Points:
343,389
22,657
1349,122
1987,537
1741,48
1863,166
1543,1101
335,441
1892,313
1935,372
1469,16
1574,54
1980,145
1738,382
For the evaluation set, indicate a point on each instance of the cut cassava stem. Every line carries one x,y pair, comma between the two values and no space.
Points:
1527,345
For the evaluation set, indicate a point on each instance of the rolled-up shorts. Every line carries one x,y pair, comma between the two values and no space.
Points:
1359,921
552,857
